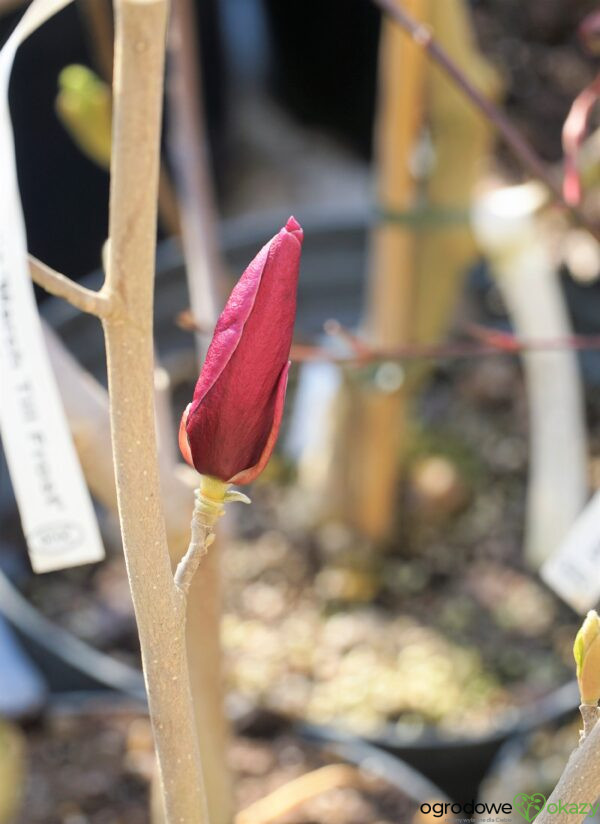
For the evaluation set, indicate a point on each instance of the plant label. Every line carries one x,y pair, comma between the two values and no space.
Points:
573,572
56,510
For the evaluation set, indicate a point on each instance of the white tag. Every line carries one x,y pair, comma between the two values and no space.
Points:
573,572
56,511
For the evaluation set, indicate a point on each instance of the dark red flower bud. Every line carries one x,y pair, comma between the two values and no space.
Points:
230,428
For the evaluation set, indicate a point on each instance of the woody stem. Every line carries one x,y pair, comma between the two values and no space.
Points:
589,715
211,497
138,80
579,782
205,515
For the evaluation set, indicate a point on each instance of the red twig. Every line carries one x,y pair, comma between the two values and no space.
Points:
486,342
489,342
423,36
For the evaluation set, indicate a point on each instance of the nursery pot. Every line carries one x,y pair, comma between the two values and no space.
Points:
334,260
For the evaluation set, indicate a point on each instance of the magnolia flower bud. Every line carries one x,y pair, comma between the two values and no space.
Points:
587,657
230,428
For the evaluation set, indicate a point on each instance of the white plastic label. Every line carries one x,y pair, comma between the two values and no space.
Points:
56,511
573,572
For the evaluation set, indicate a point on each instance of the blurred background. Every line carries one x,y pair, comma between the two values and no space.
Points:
382,598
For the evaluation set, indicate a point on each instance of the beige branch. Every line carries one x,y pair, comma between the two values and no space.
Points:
94,303
211,497
86,405
159,609
200,542
589,715
579,783
287,798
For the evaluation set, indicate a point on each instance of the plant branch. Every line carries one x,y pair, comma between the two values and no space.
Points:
207,511
589,716
201,539
93,303
211,497
422,35
188,144
137,97
580,782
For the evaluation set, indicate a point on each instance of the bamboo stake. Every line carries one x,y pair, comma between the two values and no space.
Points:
363,477
461,138
417,267
160,612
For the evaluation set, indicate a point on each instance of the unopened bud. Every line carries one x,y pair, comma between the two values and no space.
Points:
587,657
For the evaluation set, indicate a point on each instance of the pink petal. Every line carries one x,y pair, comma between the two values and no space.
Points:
184,444
246,476
237,395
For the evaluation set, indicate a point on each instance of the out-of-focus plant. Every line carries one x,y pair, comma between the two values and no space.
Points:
579,785
12,771
576,124
84,106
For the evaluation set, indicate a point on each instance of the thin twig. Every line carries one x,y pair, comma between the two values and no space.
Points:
211,497
87,300
492,342
206,513
201,539
422,35
302,353
500,345
589,716
188,144
98,27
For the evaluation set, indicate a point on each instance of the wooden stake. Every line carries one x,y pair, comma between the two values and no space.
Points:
461,141
365,475
417,264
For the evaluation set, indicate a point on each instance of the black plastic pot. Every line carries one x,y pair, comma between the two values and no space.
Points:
331,286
